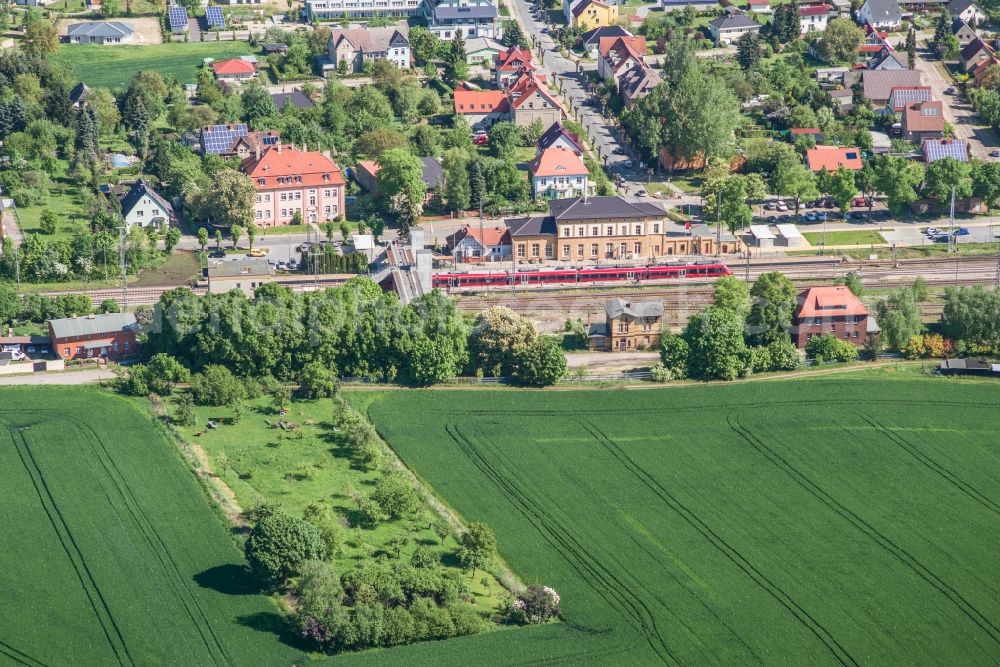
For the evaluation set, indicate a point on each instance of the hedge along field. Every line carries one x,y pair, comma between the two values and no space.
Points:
111,553
799,522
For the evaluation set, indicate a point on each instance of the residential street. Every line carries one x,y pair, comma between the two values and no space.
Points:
959,113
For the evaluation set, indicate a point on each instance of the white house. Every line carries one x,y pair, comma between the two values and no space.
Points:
100,32
881,14
732,25
557,173
144,207
967,11
813,18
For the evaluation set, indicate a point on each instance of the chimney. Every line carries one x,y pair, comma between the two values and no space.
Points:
258,150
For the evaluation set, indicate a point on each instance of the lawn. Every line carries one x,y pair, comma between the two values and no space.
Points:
113,67
112,554
812,521
846,237
65,201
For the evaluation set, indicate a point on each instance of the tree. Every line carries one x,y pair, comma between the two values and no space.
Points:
236,232
423,44
279,544
748,52
401,182
317,381
898,179
542,363
425,140
899,317
674,354
164,372
184,413
866,181
732,294
842,187
944,175
841,40
377,141
986,181
137,118
171,239
395,495
109,306
773,302
231,198
477,184
911,49
513,35
258,107
456,69
457,190
47,222
218,239
504,139
477,547
251,235
499,338
216,385
41,38
203,237
793,179
716,347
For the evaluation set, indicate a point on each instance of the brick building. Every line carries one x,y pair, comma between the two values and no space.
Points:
831,310
628,327
91,336
289,180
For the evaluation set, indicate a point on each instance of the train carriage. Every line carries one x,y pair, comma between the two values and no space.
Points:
558,276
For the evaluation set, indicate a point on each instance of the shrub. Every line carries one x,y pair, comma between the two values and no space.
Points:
784,356
109,306
674,355
759,359
541,364
831,348
395,495
660,373
164,372
184,413
216,385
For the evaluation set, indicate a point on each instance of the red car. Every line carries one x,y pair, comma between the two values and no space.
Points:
479,139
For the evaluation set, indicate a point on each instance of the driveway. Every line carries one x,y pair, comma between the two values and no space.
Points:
64,377
959,113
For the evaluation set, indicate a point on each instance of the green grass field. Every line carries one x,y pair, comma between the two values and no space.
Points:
114,67
846,237
111,552
814,521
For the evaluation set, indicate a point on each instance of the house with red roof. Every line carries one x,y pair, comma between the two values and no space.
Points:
529,98
509,63
923,120
472,244
481,108
557,173
290,181
234,69
834,311
833,158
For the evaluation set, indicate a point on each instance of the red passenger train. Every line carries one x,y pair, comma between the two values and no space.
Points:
696,271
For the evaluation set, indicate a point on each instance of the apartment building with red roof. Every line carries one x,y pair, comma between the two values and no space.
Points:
557,173
617,55
481,108
530,99
290,181
833,310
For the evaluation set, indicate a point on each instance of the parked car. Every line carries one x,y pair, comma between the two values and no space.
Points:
782,206
821,216
479,139
995,153
216,254
940,238
257,252
292,265
619,151
627,164
950,90
282,265
770,206
932,231
810,216
962,231
641,193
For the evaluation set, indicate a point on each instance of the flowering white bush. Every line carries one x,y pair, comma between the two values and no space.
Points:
537,604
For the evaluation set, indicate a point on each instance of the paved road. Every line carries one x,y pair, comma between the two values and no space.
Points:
959,113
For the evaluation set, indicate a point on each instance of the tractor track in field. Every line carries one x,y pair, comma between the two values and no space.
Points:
604,582
966,489
918,568
94,595
18,656
158,546
804,617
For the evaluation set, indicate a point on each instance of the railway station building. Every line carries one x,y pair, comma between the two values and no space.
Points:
628,326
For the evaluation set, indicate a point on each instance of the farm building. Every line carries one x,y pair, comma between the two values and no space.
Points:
969,367
628,326
100,32
110,336
833,310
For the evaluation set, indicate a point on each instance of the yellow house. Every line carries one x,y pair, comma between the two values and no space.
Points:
591,14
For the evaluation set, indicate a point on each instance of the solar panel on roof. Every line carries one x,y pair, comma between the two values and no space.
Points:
177,16
217,138
936,150
214,17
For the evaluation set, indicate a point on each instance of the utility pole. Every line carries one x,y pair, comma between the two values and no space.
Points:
996,279
718,221
17,267
123,266
951,223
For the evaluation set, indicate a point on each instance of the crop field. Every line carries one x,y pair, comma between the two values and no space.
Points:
111,553
114,67
815,521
